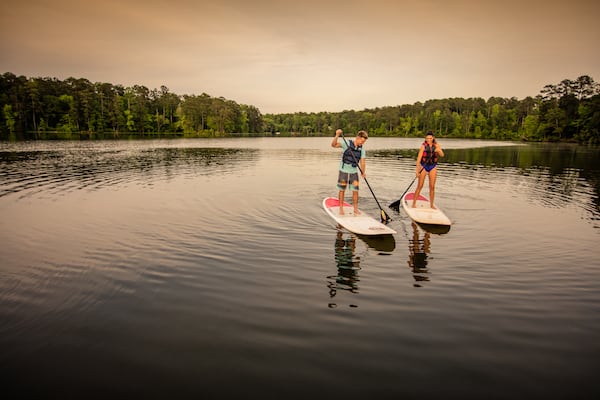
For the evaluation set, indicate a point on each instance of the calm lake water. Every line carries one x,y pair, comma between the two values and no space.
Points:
208,268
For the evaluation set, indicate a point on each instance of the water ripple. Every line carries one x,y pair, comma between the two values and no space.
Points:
178,259
32,173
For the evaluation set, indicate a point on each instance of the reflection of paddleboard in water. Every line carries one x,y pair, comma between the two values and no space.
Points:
361,224
383,243
435,229
422,212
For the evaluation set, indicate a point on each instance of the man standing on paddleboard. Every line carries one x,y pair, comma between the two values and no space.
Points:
353,161
427,160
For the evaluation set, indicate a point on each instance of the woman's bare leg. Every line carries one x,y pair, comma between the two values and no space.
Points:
419,186
432,178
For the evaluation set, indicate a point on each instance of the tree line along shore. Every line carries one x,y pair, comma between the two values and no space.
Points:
48,108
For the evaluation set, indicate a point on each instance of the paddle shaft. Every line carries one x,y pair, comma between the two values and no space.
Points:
396,204
384,215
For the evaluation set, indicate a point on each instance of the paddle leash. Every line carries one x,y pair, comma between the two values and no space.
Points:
384,217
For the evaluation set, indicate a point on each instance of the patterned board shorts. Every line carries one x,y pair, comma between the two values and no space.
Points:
344,178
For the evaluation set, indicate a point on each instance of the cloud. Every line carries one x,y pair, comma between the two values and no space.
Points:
285,56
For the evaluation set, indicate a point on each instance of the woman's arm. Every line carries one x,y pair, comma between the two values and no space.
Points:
419,157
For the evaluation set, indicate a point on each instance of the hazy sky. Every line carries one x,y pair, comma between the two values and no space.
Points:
307,55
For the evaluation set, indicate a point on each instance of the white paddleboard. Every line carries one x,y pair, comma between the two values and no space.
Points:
423,213
361,224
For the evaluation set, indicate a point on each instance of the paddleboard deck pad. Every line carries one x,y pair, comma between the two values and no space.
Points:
422,212
361,224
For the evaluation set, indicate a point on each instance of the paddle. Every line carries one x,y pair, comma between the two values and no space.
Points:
396,204
384,217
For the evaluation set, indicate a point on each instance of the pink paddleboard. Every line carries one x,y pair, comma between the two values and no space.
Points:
423,213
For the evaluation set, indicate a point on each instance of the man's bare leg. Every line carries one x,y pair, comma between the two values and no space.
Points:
355,202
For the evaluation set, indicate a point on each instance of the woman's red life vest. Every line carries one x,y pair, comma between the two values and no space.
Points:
430,156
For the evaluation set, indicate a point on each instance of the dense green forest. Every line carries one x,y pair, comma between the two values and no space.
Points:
48,108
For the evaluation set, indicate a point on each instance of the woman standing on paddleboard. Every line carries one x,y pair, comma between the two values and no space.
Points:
426,165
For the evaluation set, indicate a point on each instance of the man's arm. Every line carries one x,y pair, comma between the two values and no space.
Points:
334,142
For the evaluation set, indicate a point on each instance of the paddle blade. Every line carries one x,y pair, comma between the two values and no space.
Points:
395,205
384,217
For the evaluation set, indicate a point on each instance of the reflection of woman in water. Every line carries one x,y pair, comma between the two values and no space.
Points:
417,255
347,266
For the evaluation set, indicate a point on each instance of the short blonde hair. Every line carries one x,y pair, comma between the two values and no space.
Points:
363,134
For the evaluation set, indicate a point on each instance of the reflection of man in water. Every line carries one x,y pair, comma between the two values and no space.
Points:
347,273
417,255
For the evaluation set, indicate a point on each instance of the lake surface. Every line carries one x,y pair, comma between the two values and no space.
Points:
208,268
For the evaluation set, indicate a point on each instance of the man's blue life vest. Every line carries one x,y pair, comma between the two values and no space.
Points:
351,150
